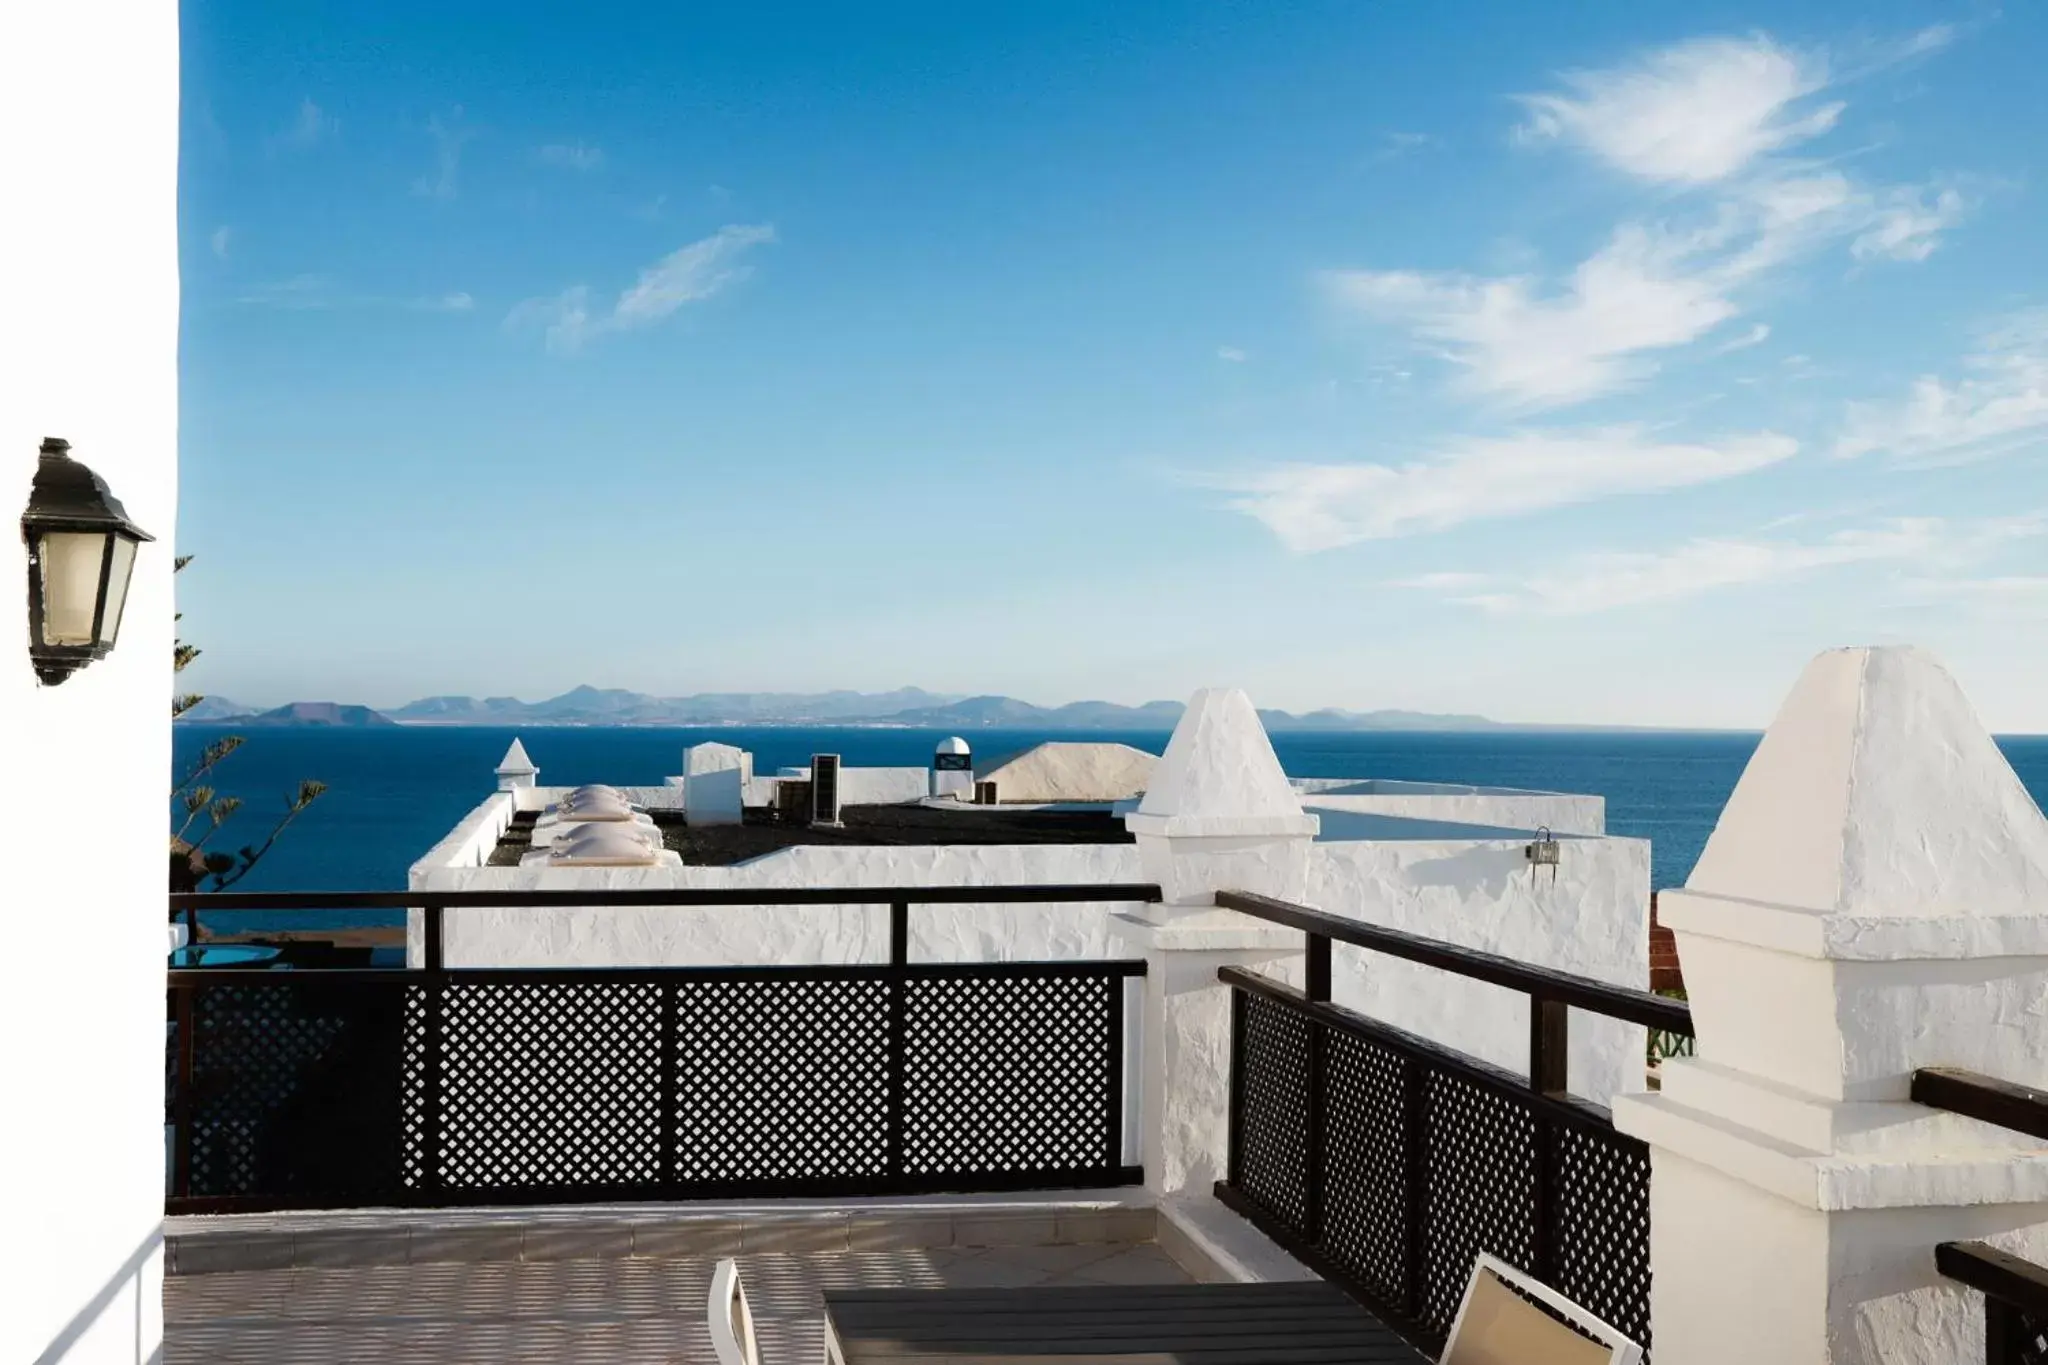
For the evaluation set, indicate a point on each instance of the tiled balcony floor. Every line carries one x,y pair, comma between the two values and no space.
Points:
635,1310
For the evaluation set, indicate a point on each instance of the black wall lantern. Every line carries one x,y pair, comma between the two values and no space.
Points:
81,552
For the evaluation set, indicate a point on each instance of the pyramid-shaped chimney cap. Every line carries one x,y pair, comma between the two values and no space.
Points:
516,763
1219,777
1877,794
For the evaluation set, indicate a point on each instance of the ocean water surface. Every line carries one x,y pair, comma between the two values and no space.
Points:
394,791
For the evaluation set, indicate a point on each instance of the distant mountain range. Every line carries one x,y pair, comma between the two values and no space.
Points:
908,706
322,713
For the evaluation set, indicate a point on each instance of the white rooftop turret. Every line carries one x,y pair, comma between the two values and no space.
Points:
515,769
953,744
1873,902
1219,776
1876,792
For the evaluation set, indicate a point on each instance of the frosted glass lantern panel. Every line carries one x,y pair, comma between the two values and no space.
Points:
117,588
71,584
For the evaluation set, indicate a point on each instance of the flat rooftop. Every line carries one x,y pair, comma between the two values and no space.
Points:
761,833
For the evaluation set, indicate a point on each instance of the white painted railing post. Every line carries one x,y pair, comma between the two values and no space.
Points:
1874,900
1218,815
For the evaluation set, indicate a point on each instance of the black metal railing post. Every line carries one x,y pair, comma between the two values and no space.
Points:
1315,1121
898,1041
181,1102
899,932
671,1084
2005,1334
1233,1154
433,1061
2015,1298
1113,1101
1549,1074
1415,1171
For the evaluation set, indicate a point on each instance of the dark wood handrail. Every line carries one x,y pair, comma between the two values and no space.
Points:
1556,1105
1540,983
1996,1274
2018,1107
183,901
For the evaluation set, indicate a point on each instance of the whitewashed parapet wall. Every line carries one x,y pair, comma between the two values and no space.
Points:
1588,916
89,139
1467,884
1874,900
1501,807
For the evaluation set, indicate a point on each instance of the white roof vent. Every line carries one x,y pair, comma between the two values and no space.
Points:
606,846
595,808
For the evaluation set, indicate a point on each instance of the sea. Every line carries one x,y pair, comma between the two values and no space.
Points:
393,792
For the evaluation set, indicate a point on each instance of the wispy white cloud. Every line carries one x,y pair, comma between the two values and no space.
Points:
444,180
1609,581
1908,226
686,275
1314,507
220,239
571,156
1537,349
1692,113
316,292
309,129
1650,289
1755,336
1235,355
1715,116
1999,406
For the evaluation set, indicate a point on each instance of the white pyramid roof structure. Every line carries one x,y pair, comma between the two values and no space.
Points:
1219,776
1877,793
1061,770
515,763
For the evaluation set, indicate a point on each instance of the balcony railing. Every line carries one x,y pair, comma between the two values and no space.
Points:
441,1086
1388,1162
2015,1290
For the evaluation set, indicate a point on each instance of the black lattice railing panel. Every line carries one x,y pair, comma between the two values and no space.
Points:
332,1089
1418,1158
550,1083
1011,1074
1270,1155
782,1078
295,1090
1365,1216
1480,1151
1601,1251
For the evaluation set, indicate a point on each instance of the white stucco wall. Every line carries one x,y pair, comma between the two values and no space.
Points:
751,935
1593,920
1499,807
470,843
88,134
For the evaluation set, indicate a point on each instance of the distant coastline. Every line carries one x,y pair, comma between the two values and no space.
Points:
904,709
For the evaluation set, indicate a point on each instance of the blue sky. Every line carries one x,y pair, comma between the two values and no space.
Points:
1590,362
